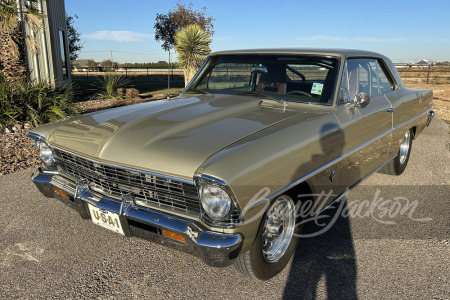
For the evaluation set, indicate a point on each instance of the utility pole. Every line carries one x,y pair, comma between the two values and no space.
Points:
168,79
112,61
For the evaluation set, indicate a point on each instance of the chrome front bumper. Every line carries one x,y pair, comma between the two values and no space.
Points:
215,249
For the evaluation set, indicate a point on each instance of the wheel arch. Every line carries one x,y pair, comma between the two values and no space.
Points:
303,188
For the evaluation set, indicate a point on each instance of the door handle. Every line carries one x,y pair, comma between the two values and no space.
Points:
391,110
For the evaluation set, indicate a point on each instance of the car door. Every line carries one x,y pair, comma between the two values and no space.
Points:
366,130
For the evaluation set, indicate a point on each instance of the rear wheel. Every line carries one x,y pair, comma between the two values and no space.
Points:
275,243
397,165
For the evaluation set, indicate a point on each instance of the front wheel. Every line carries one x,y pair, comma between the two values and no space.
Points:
275,243
397,165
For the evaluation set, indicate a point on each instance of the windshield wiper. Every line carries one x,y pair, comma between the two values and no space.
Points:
196,91
259,95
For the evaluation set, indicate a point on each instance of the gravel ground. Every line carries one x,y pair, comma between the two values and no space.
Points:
17,151
48,252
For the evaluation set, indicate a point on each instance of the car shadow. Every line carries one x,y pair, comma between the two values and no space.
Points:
324,260
327,260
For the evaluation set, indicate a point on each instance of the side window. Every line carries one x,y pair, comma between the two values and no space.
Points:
363,76
357,78
343,96
385,83
374,82
64,62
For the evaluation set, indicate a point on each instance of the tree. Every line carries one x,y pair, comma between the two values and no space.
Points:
167,25
107,63
184,16
91,64
12,41
165,31
192,46
73,37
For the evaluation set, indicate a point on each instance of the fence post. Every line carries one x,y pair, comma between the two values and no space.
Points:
428,74
147,74
126,72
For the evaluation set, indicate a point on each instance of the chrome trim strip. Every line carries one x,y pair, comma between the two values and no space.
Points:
413,119
127,168
211,178
336,160
228,190
34,135
197,74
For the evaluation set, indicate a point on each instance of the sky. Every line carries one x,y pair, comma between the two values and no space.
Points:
404,31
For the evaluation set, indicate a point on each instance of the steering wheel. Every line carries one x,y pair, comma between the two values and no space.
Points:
299,92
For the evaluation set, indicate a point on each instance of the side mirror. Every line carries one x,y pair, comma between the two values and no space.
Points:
361,100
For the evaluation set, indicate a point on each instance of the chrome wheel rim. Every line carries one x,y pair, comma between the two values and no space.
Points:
278,229
404,147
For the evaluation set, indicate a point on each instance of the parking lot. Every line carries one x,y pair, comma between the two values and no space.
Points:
47,251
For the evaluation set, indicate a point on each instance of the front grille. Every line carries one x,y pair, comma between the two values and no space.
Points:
148,189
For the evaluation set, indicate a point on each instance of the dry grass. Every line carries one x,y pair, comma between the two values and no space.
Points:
441,97
439,82
434,75
161,94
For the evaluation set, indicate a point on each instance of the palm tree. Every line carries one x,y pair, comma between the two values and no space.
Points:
192,46
13,44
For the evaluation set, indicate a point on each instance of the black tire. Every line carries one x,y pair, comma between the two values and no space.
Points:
253,264
398,164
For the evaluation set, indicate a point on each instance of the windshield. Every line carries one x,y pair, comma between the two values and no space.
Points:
290,78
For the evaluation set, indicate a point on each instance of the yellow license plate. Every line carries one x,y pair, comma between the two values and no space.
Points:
106,219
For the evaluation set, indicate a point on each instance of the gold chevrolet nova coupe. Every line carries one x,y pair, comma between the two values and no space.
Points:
221,170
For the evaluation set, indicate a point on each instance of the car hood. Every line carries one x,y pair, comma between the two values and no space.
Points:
171,137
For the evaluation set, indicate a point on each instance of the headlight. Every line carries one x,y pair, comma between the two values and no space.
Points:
215,201
46,152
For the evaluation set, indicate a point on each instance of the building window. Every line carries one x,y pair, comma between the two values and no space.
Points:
64,62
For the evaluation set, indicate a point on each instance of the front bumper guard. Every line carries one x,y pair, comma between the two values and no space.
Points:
215,249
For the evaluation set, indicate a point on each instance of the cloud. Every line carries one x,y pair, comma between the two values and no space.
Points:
327,38
118,36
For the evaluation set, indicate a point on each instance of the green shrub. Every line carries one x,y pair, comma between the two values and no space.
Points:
107,86
35,102
8,110
43,103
